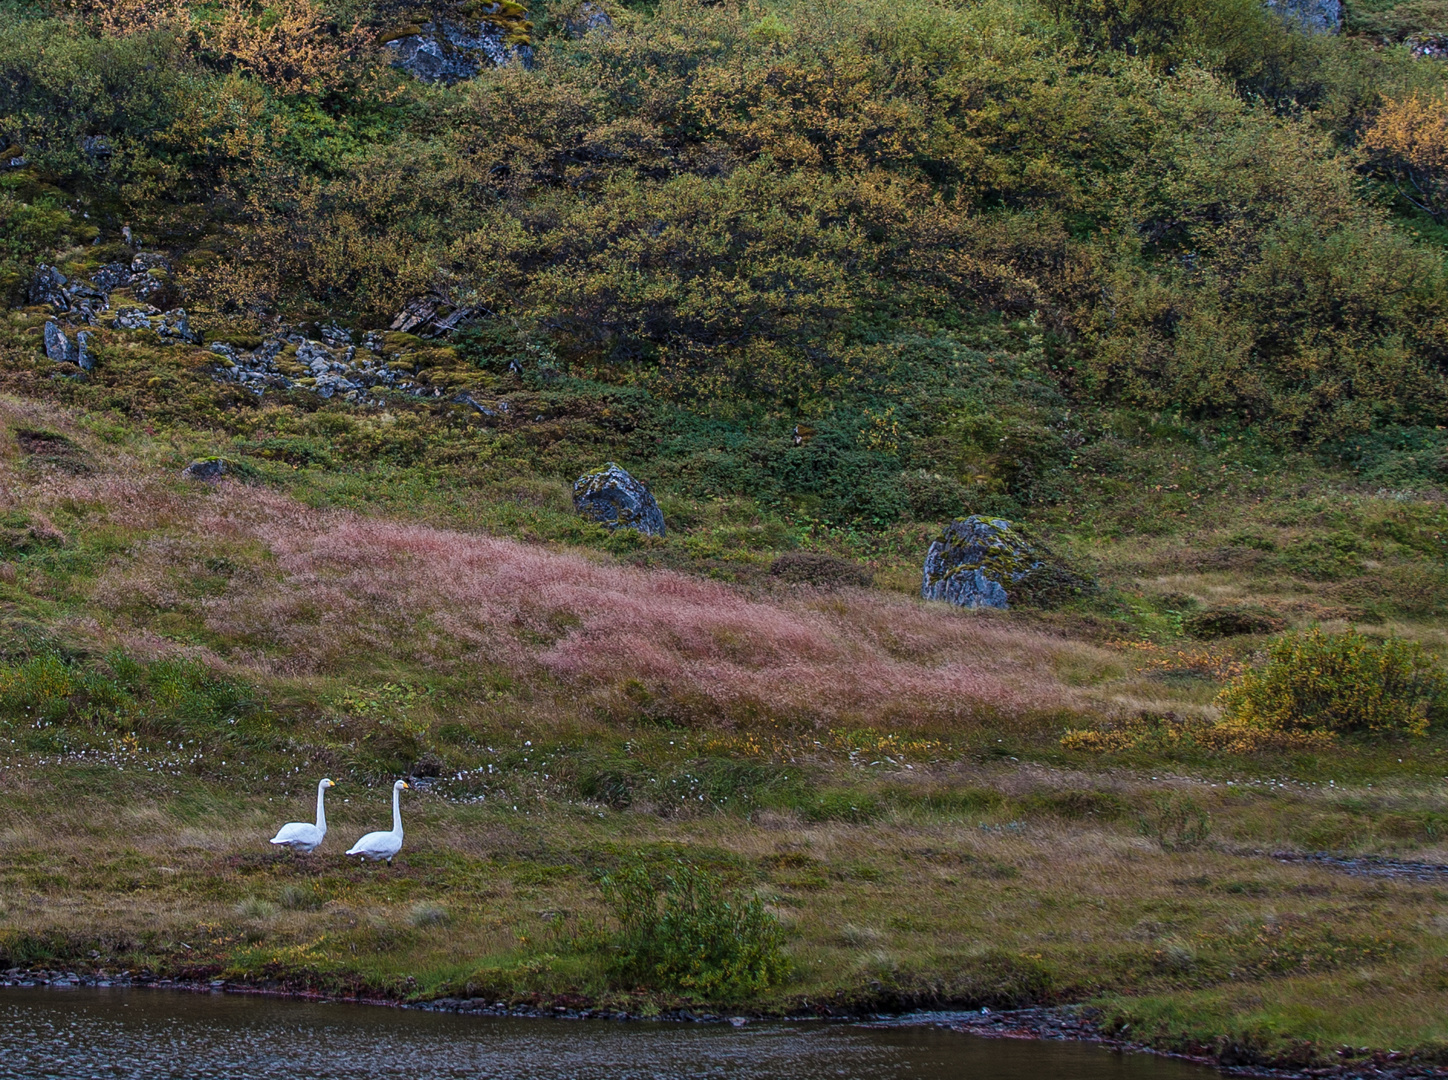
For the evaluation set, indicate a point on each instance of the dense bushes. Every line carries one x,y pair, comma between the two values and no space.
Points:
684,932
828,212
1316,681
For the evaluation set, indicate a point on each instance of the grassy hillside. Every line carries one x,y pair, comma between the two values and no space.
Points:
1163,281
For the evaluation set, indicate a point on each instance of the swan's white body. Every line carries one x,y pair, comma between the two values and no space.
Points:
303,836
384,845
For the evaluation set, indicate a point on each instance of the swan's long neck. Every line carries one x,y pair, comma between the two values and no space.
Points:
397,811
321,814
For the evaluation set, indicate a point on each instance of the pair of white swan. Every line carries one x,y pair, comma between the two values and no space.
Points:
305,837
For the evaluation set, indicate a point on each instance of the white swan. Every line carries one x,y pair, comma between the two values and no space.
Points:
384,845
303,836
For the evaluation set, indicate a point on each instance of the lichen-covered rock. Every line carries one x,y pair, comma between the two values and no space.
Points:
1314,16
174,327
57,345
588,18
613,498
451,50
430,316
48,287
989,562
83,357
133,319
112,276
208,470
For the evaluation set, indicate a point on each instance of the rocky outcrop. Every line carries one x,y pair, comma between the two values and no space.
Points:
451,49
431,316
588,18
331,367
989,562
1314,16
84,300
613,498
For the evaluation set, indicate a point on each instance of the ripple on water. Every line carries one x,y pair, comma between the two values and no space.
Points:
75,1034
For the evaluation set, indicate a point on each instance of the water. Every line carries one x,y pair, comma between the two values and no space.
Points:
80,1033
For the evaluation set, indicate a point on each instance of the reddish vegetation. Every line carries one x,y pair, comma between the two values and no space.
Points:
329,592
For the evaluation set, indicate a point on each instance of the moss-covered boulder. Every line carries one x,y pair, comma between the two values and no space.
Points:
208,469
611,497
989,562
462,40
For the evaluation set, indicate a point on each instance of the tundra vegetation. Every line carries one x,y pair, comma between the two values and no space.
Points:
1165,282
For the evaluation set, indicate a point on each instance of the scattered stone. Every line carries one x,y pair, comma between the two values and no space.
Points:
57,345
83,358
208,470
336,336
134,319
485,410
174,327
613,498
146,261
1313,16
590,17
349,372
48,287
430,316
988,562
112,276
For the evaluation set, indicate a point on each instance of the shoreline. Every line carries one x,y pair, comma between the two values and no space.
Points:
1073,1023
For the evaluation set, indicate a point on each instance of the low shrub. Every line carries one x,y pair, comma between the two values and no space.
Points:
820,571
1220,622
1175,821
683,931
1316,681
426,913
1178,735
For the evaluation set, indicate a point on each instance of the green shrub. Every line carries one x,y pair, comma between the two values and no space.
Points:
684,932
1339,683
1222,622
1175,821
157,697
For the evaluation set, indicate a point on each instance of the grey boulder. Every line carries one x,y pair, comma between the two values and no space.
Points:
48,287
208,470
613,498
1314,16
57,345
83,357
449,52
174,327
990,563
590,17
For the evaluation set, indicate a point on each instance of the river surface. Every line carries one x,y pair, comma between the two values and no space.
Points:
81,1033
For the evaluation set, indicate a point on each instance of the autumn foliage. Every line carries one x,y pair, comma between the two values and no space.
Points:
1410,139
291,46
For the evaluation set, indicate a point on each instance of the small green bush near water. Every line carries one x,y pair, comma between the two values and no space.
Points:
683,931
1339,683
